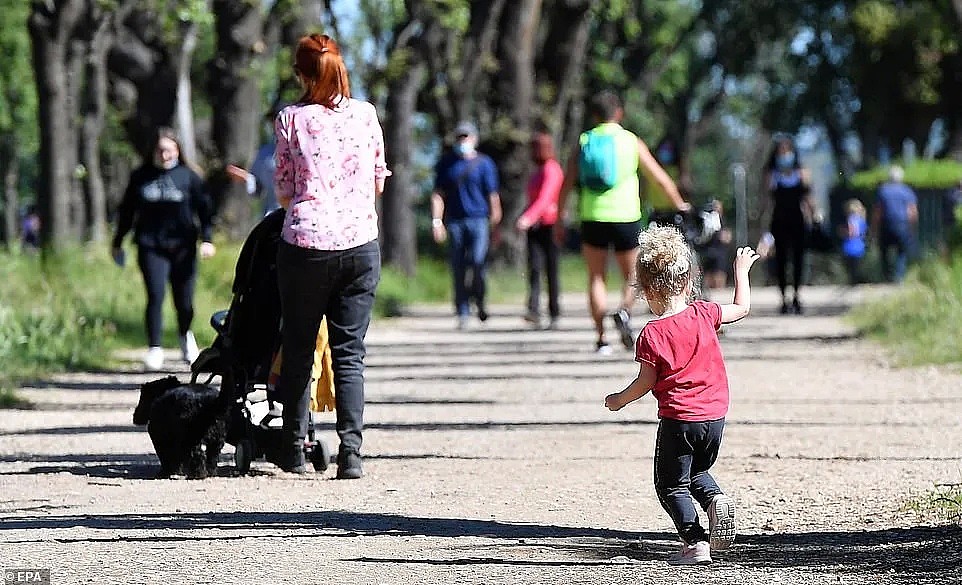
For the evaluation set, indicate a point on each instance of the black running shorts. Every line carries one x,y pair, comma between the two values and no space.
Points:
622,236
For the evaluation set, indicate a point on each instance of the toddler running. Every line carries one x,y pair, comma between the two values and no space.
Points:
682,365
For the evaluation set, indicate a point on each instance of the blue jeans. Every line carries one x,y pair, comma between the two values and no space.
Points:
684,452
901,240
339,284
469,239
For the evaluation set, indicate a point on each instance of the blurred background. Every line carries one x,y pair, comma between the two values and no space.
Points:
858,83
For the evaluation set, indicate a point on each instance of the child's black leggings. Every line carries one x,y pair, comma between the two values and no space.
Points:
684,452
179,267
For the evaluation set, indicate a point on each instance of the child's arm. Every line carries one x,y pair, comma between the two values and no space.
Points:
638,388
744,258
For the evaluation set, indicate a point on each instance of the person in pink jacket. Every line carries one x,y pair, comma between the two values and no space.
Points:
330,170
538,221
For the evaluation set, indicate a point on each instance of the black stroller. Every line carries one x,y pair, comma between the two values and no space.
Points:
248,337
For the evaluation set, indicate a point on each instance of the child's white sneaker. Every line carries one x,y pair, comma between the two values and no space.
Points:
721,522
188,347
692,554
154,358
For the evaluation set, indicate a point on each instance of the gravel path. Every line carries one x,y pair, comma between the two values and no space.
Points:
491,459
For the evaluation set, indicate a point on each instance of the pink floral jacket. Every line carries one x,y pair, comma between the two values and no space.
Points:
327,164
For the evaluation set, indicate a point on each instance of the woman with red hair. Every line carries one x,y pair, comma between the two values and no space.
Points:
538,221
330,169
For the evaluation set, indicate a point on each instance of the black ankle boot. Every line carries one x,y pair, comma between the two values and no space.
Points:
289,458
349,465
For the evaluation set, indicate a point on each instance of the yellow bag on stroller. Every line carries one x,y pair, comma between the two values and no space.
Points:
322,374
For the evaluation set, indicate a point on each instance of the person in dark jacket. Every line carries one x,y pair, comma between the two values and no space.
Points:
167,205
792,210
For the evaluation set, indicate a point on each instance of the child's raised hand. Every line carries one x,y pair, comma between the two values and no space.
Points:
744,258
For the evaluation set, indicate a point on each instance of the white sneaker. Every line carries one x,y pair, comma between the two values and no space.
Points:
188,347
692,554
721,522
154,358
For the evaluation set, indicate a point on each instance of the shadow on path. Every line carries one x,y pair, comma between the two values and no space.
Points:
911,553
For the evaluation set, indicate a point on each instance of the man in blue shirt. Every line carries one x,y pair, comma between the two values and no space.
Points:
465,205
894,217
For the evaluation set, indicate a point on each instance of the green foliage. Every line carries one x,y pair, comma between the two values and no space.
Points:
68,311
10,400
922,174
18,99
920,321
942,503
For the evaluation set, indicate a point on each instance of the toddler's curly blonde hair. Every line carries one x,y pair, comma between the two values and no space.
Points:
665,264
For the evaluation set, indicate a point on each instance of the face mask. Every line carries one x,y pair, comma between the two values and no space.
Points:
463,149
166,165
785,161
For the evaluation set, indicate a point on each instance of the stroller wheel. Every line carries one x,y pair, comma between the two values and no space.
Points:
320,456
243,455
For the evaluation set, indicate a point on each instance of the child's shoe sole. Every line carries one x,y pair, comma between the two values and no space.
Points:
721,522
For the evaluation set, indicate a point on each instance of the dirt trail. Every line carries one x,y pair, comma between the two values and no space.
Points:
490,459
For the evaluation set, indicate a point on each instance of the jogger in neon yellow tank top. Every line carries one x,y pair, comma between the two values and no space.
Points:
604,168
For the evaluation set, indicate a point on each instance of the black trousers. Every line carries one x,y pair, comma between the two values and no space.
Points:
789,246
684,452
339,284
158,266
542,258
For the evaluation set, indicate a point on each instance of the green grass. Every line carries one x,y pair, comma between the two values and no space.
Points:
920,322
10,399
70,312
943,503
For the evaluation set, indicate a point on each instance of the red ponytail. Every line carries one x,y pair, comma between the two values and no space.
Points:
321,67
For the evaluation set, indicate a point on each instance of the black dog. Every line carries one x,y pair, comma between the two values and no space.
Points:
187,424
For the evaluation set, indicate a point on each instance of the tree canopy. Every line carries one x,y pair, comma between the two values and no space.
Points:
83,82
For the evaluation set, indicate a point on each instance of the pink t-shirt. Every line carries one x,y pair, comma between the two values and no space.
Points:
327,163
691,382
543,190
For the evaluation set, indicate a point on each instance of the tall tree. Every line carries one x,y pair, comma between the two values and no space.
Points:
235,94
52,25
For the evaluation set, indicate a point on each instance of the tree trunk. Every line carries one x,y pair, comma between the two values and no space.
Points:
185,109
398,222
235,95
513,103
102,30
141,59
10,174
51,25
562,60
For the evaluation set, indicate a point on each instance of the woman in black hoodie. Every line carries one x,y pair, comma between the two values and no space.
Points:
167,205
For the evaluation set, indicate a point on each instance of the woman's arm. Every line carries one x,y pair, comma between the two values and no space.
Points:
381,172
570,179
651,169
127,211
551,180
284,171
